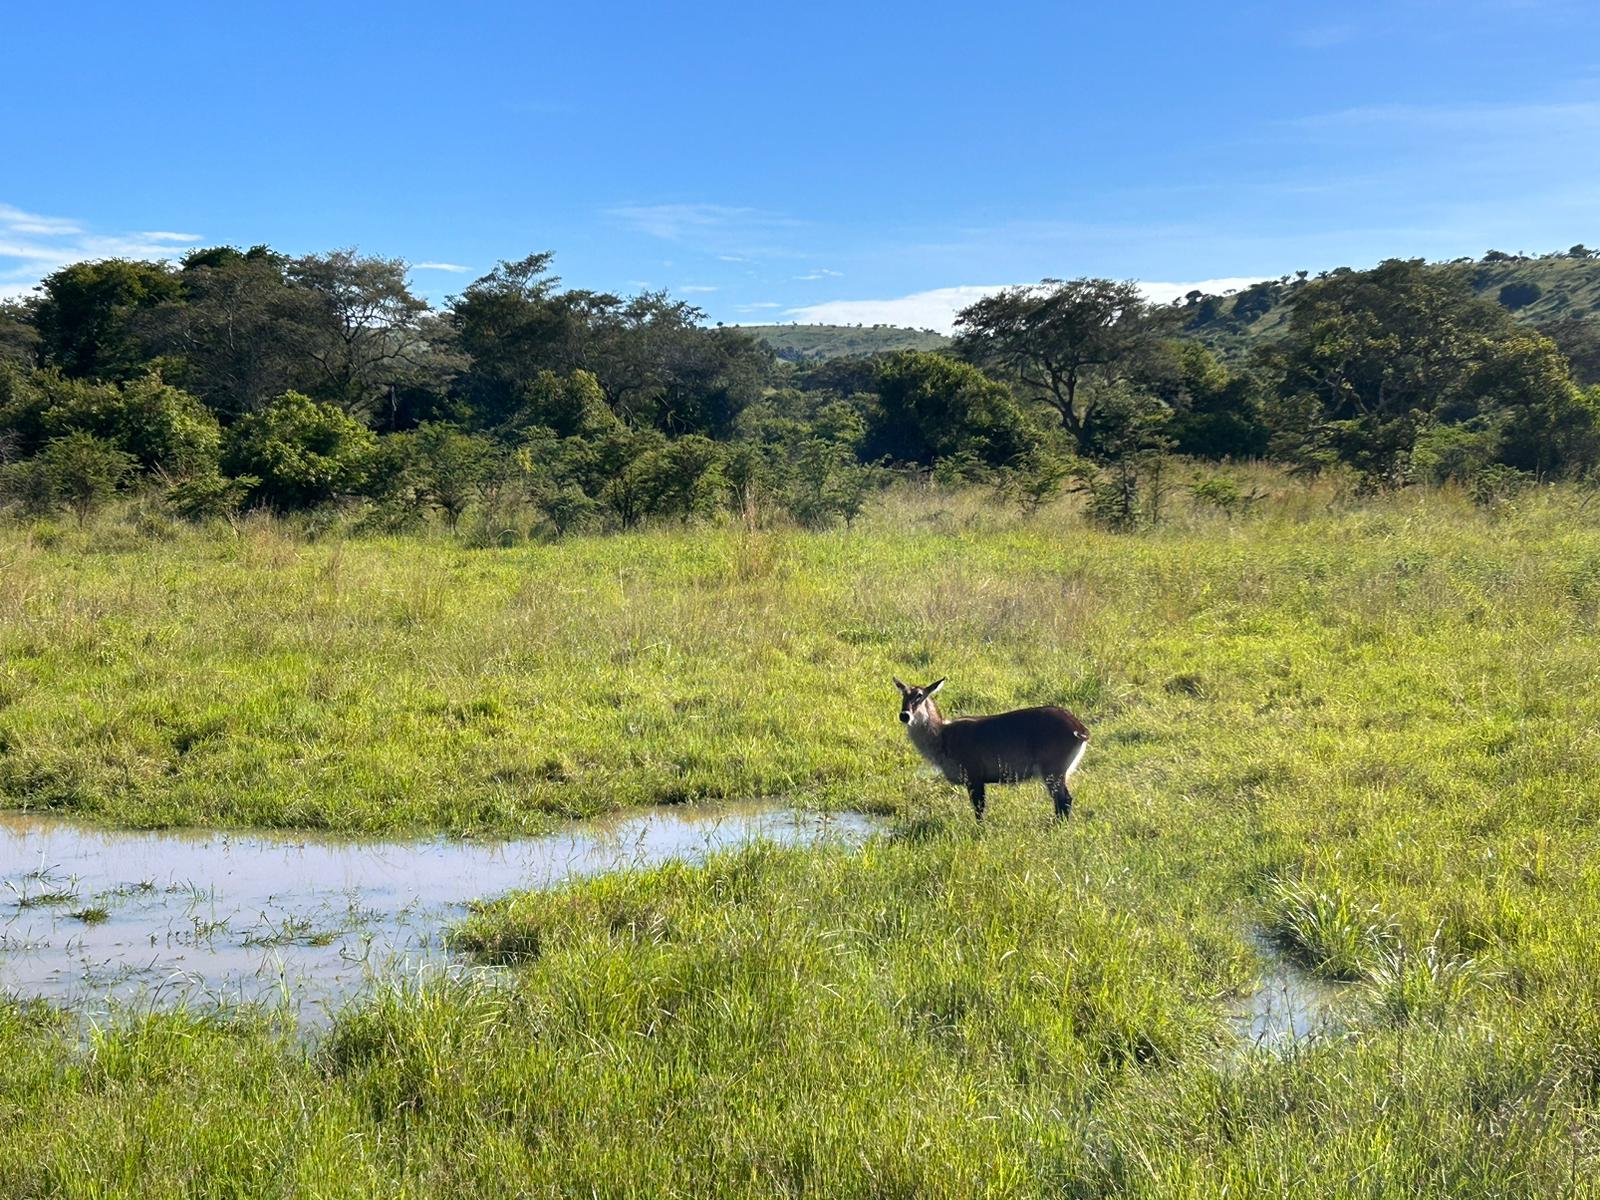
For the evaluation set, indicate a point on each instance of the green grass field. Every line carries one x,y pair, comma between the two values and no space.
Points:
1367,730
815,343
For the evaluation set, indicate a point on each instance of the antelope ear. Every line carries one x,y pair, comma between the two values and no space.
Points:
934,687
903,688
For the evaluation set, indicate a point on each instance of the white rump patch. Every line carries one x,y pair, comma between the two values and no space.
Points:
1077,757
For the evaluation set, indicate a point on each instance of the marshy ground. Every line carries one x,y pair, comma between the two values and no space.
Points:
102,919
1354,737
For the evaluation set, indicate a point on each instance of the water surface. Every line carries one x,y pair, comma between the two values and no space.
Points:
1290,1005
96,918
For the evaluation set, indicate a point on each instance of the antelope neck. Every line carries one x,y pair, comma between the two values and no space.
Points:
928,732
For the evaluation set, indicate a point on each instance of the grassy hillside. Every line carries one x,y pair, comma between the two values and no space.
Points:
813,343
1362,730
1558,293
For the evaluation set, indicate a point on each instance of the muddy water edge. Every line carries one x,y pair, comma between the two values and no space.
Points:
1289,1007
99,919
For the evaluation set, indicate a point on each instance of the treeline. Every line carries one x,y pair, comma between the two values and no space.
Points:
237,379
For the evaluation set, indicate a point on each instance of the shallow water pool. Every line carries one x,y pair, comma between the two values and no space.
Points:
100,918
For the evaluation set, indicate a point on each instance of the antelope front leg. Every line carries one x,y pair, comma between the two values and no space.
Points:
1056,785
975,794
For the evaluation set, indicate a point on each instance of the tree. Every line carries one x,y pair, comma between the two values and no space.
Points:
83,471
650,355
87,316
567,405
211,495
931,407
1131,443
1371,357
1578,339
1036,478
19,337
1057,336
304,452
1216,413
1518,295
233,336
451,468
829,484
709,377
1547,426
510,327
165,429
363,329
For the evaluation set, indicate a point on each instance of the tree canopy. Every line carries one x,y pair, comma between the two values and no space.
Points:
1057,339
249,377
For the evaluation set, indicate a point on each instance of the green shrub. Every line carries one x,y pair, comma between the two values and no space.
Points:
201,497
78,471
302,452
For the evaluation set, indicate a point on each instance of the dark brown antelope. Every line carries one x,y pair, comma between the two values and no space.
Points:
1026,743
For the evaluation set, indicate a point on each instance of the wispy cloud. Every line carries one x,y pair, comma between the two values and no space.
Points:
1434,21
759,306
17,221
32,245
697,287
932,309
439,266
1158,292
820,273
730,233
937,307
1556,118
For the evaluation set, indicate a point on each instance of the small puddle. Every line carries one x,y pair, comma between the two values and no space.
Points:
1290,1005
99,918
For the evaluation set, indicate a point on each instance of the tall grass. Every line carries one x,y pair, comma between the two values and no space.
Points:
1368,729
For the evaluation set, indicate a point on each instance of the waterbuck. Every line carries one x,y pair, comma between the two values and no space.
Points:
1045,742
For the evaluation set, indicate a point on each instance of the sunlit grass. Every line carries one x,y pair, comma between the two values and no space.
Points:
1366,730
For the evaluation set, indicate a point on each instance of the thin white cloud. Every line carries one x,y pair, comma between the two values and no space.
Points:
1165,293
933,309
33,245
438,266
31,251
1558,118
820,273
697,287
937,307
730,232
18,221
760,306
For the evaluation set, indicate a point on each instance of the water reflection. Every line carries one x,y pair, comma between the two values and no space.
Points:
96,917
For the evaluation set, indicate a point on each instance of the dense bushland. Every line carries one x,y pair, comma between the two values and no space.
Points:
247,379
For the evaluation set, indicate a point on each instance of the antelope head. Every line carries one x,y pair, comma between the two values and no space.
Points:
915,702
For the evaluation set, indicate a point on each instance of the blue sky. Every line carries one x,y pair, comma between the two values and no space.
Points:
821,161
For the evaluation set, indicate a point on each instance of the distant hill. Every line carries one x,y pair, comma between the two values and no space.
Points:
1557,293
814,343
